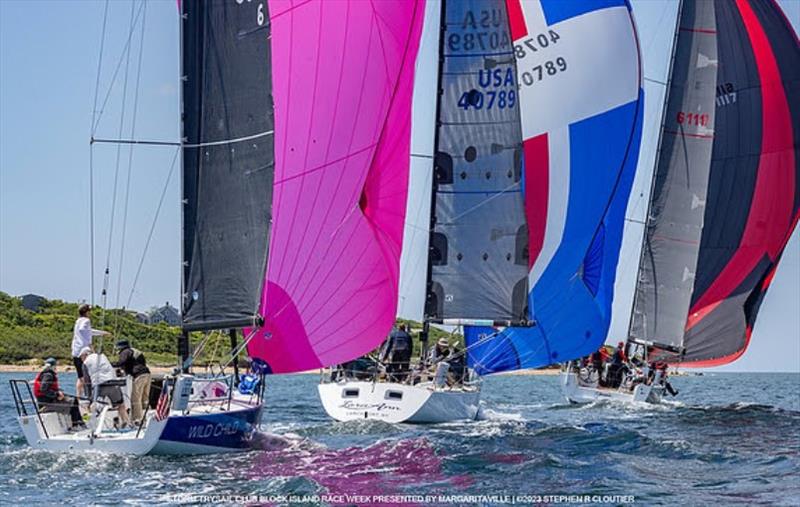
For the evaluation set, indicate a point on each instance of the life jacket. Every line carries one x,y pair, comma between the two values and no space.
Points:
37,384
138,357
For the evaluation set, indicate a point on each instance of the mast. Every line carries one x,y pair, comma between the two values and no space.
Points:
427,314
183,339
655,169
235,352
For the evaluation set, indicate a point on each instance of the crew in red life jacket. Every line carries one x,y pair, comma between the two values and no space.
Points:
597,359
51,398
619,354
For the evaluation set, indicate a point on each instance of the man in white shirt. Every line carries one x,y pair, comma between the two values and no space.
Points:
98,372
81,338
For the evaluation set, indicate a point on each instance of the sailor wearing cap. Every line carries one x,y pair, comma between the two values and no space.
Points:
440,352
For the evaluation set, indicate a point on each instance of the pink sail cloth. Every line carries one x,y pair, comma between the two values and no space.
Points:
342,77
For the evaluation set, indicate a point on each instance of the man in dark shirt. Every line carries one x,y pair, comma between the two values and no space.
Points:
396,353
133,363
51,398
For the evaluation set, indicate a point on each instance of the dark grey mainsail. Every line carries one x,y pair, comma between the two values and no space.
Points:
227,161
478,247
677,204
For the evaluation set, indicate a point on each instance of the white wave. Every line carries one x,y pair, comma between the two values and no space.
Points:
487,414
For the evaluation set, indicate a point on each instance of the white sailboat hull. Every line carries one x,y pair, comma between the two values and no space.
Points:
206,425
398,403
202,430
574,392
48,433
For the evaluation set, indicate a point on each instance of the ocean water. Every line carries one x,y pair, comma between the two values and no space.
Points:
728,439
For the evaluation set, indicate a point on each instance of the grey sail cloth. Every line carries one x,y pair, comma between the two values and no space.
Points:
674,224
479,242
228,161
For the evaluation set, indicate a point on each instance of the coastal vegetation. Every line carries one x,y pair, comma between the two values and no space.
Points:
28,337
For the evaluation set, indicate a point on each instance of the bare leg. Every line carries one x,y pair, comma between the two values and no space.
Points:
123,414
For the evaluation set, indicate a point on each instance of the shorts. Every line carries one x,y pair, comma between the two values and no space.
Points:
78,362
112,392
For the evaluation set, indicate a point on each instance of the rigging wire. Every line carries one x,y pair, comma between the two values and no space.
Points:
91,155
153,226
99,113
106,273
130,160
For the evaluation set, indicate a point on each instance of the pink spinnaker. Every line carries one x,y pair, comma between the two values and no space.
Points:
342,76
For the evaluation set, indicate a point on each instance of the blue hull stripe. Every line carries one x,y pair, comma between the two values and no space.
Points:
227,429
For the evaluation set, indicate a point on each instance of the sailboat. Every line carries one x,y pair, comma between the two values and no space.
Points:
725,194
493,185
293,197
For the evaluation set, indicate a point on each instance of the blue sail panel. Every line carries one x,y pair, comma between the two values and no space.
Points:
487,352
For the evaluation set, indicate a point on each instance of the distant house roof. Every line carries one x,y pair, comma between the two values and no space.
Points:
166,313
32,302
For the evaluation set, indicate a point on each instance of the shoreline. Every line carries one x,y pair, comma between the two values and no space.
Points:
161,370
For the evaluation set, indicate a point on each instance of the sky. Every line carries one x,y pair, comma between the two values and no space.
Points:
49,52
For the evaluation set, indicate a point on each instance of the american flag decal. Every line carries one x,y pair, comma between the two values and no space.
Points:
162,407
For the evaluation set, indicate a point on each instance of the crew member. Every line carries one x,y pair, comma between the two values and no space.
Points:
617,367
441,352
82,337
133,363
396,353
598,358
671,390
51,398
100,373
